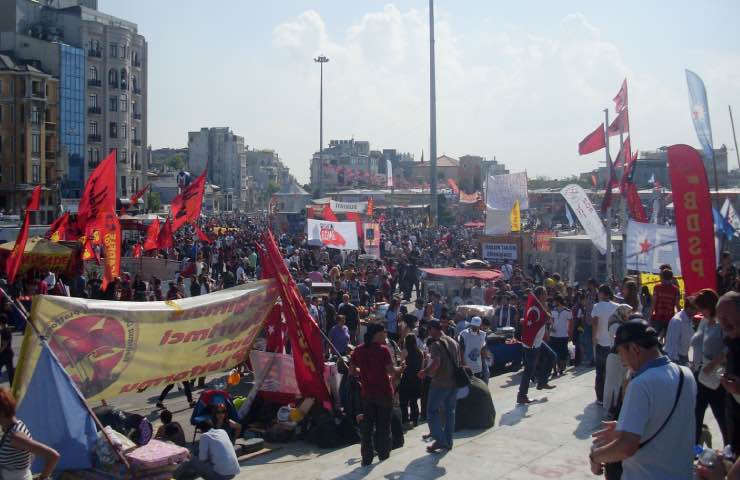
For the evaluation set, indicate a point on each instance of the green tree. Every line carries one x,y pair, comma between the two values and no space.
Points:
176,162
154,201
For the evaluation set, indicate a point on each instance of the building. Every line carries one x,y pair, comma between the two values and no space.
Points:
346,164
101,62
447,168
474,170
29,140
220,152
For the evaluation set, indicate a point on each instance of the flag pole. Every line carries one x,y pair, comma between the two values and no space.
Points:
734,138
609,208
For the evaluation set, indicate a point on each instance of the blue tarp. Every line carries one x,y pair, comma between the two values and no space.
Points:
56,416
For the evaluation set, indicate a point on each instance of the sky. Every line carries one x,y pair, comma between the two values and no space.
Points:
523,82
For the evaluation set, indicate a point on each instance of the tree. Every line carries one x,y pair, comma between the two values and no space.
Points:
154,201
176,162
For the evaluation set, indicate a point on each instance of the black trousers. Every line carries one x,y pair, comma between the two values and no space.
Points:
186,385
409,402
375,429
7,362
600,359
714,399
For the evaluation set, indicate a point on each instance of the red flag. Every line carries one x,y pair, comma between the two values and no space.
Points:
100,192
136,196
594,180
453,185
624,155
152,236
13,263
593,142
187,205
370,207
694,220
110,233
58,229
620,101
628,188
309,212
34,203
275,328
621,124
611,182
202,235
328,214
137,250
355,217
164,239
303,331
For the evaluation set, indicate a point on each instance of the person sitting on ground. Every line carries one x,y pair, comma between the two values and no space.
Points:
222,421
170,431
216,456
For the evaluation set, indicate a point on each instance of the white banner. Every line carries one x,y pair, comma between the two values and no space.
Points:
499,252
503,190
497,221
648,246
343,207
339,235
389,170
581,206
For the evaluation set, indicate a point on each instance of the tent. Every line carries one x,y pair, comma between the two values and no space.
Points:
43,254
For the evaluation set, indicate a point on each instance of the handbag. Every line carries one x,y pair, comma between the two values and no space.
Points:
460,375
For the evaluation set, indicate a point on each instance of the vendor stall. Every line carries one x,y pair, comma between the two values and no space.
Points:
44,255
452,283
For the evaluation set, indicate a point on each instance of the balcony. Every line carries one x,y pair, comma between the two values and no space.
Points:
38,94
136,90
50,126
51,155
92,165
112,134
93,82
136,141
136,63
95,110
95,53
112,84
137,116
95,138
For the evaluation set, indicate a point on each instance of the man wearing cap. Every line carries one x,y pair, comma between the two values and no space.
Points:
473,347
654,435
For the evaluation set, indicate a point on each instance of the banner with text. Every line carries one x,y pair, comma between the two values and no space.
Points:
503,190
650,280
114,348
344,207
339,235
586,213
372,238
649,245
499,252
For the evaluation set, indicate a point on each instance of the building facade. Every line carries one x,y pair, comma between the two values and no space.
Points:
346,163
267,174
221,153
29,139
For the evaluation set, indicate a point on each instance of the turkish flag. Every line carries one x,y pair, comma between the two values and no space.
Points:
202,235
276,329
152,236
58,229
694,219
620,100
593,142
13,263
110,233
99,194
328,214
621,124
164,239
187,205
303,331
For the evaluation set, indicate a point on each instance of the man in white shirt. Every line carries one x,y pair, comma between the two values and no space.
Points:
473,347
679,333
602,340
216,456
560,333
507,270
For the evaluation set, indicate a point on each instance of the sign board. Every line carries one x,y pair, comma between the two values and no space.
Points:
500,252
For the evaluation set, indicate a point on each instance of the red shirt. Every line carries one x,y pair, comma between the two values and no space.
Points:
665,298
373,361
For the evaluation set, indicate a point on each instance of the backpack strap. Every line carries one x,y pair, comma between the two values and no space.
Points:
673,409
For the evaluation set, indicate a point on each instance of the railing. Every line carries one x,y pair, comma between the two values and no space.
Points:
93,138
113,84
51,155
38,94
95,110
137,116
94,83
95,53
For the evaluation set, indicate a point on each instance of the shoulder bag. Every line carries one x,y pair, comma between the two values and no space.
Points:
461,377
673,409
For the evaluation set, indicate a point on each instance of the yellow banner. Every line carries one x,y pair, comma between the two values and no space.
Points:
650,280
516,218
114,348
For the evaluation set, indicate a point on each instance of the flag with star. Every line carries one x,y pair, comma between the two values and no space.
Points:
700,113
648,246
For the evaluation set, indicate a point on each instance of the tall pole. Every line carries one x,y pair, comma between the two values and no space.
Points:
321,60
734,138
609,208
432,120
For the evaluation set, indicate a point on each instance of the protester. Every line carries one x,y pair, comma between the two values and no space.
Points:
538,361
560,333
600,315
216,458
222,421
473,347
653,436
339,335
170,431
666,300
679,333
410,387
6,348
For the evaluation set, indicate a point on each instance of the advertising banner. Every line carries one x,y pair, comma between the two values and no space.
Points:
503,190
543,240
498,221
113,348
650,280
499,252
586,213
648,246
344,207
372,238
339,235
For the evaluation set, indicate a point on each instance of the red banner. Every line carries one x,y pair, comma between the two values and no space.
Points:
305,339
164,239
110,234
202,236
694,221
13,263
58,229
542,240
100,192
152,236
187,205
593,142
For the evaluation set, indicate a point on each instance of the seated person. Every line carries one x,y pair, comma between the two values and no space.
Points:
170,431
475,410
222,421
216,456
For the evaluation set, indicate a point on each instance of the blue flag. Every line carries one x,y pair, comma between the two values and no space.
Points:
700,113
722,226
53,411
569,216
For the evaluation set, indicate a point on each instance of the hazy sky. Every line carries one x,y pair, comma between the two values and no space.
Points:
522,81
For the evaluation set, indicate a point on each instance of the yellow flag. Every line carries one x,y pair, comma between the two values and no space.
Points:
516,218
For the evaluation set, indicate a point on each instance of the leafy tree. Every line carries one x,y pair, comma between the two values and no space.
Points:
154,200
176,162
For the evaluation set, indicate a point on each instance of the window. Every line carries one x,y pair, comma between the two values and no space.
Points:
113,127
1,107
124,102
1,144
35,116
124,130
134,133
124,155
1,88
35,143
113,50
135,160
93,128
113,77
124,51
96,155
93,100
123,185
134,83
113,104
22,142
35,174
123,78
92,73
133,109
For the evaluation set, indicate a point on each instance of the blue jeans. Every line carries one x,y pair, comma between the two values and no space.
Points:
441,407
587,344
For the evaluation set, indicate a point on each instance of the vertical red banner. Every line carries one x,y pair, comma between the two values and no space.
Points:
694,221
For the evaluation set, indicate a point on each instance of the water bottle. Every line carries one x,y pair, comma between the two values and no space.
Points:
708,458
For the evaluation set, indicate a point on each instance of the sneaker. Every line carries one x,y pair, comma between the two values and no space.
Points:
545,386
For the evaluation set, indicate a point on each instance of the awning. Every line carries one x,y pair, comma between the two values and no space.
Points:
474,225
488,275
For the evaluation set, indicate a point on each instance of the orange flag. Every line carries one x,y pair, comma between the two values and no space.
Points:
370,207
187,205
110,233
152,236
13,263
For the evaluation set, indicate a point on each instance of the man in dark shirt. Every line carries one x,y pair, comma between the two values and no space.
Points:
6,348
352,316
728,316
373,364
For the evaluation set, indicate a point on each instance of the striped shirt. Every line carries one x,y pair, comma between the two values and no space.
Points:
10,457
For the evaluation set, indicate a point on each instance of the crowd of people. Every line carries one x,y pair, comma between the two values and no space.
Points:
409,361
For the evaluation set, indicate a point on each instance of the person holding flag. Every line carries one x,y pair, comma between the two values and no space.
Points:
538,357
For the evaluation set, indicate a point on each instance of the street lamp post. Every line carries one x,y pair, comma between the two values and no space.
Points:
321,60
432,121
